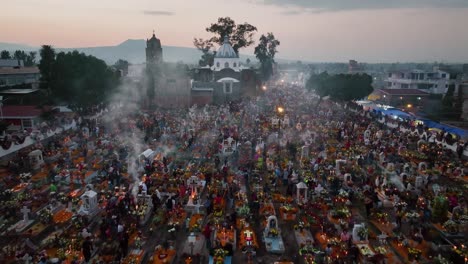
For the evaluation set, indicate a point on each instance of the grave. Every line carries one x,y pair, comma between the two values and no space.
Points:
301,193
89,206
21,225
196,187
357,238
272,236
36,159
144,207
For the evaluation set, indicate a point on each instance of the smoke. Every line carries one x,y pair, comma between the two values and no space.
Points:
121,121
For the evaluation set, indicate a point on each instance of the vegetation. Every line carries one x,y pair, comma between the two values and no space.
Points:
240,36
76,79
5,54
340,87
29,59
265,52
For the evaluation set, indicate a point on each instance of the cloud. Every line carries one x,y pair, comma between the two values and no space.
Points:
318,6
157,13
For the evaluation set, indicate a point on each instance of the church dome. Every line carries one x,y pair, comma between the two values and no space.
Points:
226,50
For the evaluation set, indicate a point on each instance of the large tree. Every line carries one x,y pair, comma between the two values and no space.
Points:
240,36
205,46
265,52
46,65
76,79
340,87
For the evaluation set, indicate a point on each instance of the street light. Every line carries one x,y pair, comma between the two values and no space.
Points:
264,87
280,110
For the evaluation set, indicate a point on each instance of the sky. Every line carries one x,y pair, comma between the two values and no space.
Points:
309,30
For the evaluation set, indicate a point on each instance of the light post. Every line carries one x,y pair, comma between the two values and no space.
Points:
280,112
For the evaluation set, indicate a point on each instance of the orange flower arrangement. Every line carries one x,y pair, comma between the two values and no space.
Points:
62,216
163,256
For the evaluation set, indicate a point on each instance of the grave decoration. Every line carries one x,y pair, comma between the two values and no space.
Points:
144,207
272,236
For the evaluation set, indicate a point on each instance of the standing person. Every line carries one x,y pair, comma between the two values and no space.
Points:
369,203
87,248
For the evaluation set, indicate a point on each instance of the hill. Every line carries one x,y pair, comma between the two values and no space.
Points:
132,50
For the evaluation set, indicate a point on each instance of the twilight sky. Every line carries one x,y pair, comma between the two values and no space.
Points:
313,30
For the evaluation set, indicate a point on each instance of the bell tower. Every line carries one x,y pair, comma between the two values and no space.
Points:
153,50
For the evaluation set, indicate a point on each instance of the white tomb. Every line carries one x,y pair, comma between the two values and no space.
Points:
89,206
21,225
356,230
229,146
301,193
36,159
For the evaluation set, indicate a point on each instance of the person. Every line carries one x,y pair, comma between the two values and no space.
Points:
369,203
87,248
207,234
345,236
328,250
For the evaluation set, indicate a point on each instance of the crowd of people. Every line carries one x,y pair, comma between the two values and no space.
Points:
359,158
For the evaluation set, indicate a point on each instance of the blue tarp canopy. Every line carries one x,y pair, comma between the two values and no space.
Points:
454,130
395,112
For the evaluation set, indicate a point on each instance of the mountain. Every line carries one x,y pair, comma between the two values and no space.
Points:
132,50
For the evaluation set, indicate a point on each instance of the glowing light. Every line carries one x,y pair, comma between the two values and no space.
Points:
409,105
280,109
264,88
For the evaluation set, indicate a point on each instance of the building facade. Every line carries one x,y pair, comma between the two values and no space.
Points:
14,74
434,82
227,80
167,85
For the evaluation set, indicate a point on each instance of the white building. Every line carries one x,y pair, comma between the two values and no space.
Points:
13,73
226,58
435,82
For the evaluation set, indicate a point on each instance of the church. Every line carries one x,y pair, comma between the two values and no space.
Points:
169,86
226,80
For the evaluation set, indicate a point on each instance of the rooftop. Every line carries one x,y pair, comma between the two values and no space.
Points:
10,63
20,111
226,50
18,91
21,70
403,92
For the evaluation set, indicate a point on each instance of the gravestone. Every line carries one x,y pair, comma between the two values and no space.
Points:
24,223
89,206
301,193
356,237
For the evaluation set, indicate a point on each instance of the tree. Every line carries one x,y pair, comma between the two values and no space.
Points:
241,36
81,81
5,55
205,47
122,65
28,59
46,66
340,87
265,52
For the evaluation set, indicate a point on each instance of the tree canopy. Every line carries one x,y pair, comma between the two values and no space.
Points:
265,52
341,87
76,79
240,36
29,59
46,63
5,54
